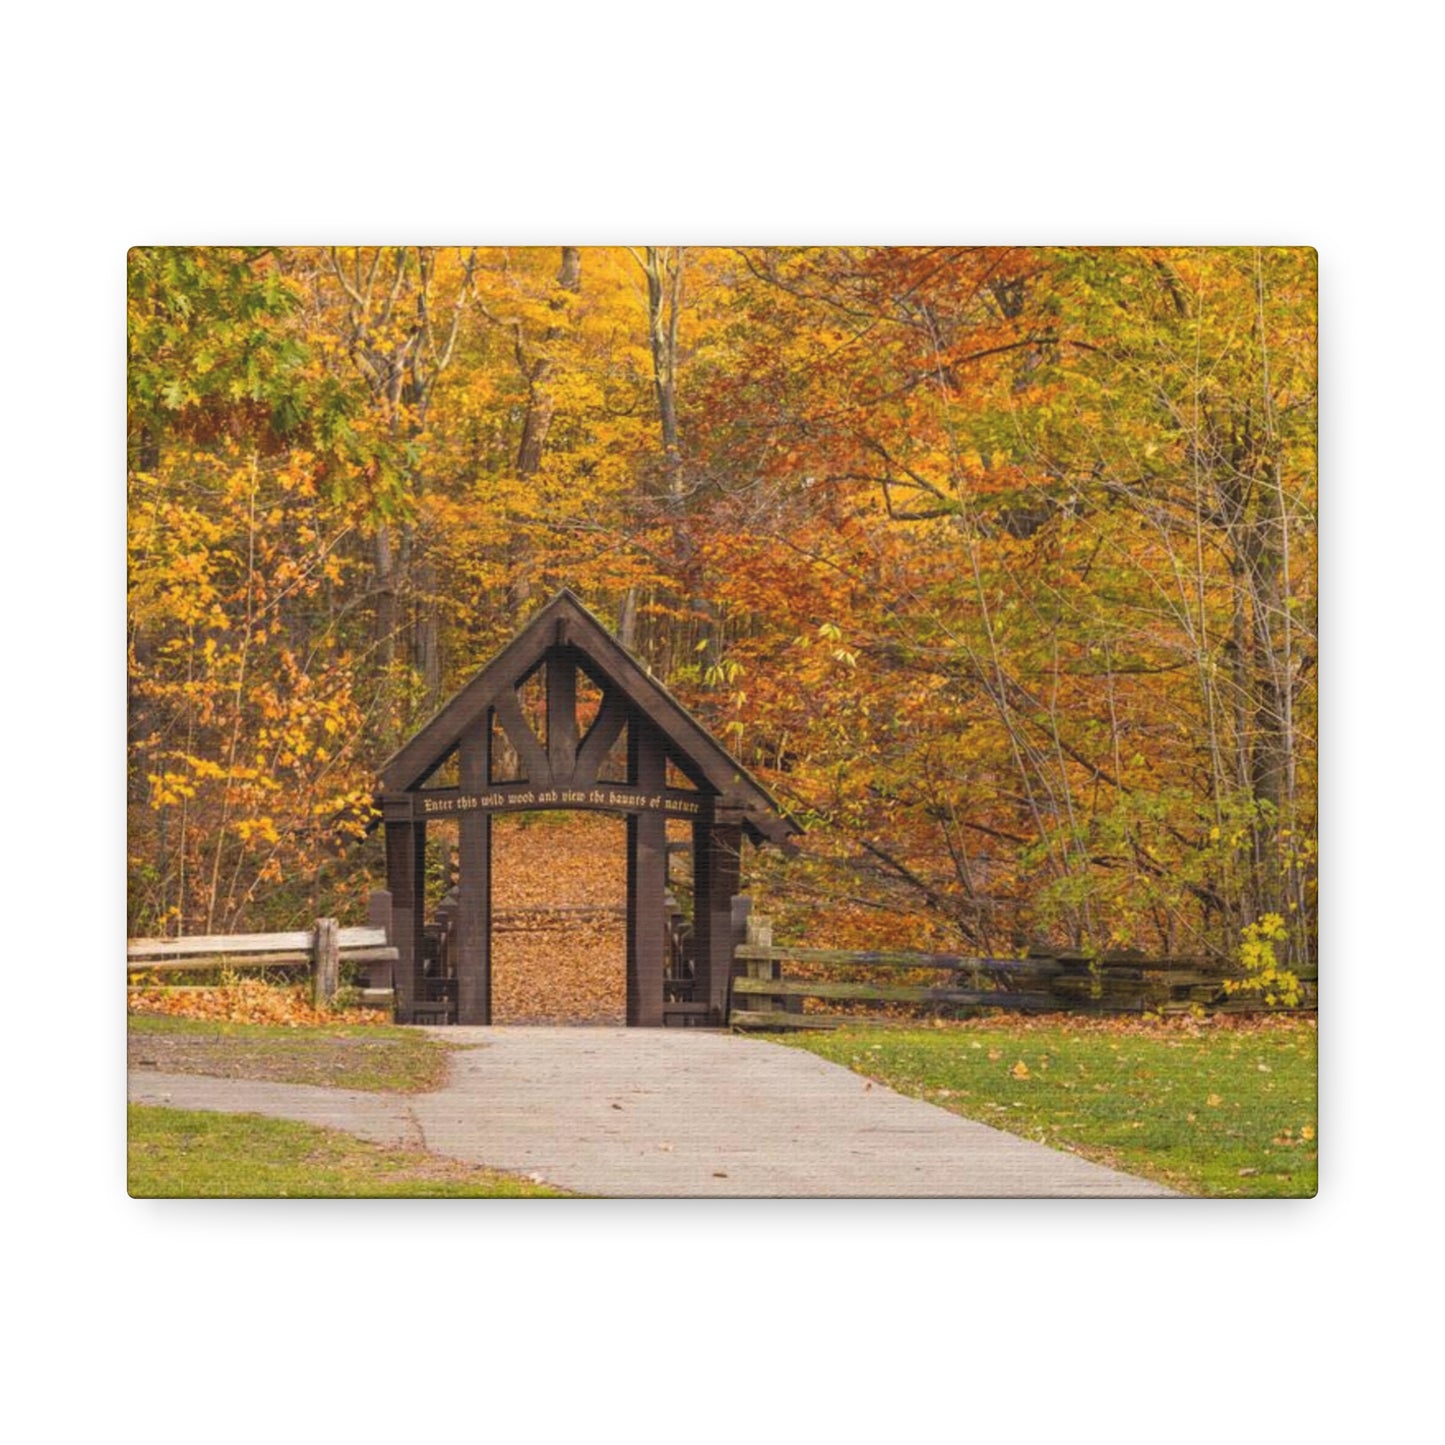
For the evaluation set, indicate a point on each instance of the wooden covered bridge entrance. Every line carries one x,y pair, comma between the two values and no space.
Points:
565,717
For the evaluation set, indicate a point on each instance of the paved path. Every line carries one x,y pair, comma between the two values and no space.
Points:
672,1112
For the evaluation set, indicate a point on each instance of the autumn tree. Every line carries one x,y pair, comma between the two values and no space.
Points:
997,562
247,473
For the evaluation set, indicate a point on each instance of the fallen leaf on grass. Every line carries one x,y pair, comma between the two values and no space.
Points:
1020,1070
250,1001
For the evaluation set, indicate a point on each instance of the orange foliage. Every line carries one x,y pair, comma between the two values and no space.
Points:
249,1001
996,563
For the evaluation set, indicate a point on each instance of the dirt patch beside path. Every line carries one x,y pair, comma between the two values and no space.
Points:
410,1064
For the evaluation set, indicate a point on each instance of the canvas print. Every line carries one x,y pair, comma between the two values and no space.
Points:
672,721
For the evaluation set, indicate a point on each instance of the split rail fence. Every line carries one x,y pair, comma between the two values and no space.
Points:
321,950
1044,982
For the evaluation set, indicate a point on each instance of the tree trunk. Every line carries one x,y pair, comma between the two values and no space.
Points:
541,404
386,583
663,266
541,407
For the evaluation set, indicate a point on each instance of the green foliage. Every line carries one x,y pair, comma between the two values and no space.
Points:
217,352
1265,976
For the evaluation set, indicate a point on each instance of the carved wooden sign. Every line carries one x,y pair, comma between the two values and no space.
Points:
449,802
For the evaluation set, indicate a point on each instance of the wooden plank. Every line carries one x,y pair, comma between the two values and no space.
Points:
219,943
750,1018
1036,963
213,963
370,955
250,943
891,993
863,958
524,797
367,937
769,1019
1117,973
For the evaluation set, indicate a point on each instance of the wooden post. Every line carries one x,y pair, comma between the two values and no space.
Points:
562,714
739,913
406,882
646,881
473,928
716,862
760,935
326,962
378,915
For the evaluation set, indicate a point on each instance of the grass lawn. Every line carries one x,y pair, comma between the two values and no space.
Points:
181,1154
346,1056
1209,1109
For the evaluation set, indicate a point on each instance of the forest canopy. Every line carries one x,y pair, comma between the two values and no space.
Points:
997,565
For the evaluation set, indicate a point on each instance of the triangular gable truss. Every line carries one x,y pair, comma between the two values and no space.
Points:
561,640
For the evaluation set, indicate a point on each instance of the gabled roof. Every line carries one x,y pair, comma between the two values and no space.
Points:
564,623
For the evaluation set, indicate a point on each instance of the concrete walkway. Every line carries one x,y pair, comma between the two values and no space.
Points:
672,1113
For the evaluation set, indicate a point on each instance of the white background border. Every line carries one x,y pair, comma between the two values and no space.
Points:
169,123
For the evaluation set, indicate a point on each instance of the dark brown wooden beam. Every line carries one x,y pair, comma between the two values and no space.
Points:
716,864
610,720
646,884
562,714
565,626
378,915
473,933
501,797
412,764
405,880
530,752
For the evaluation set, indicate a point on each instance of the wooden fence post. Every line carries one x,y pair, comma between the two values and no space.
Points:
760,935
378,915
326,962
